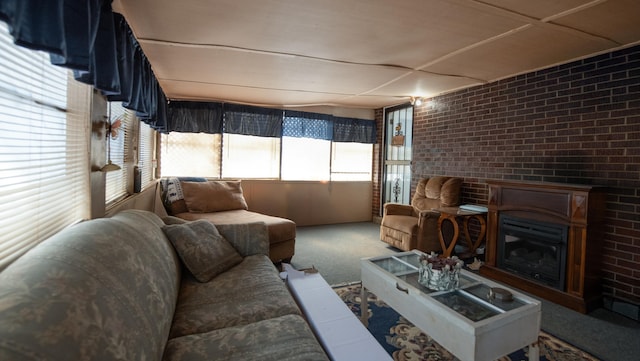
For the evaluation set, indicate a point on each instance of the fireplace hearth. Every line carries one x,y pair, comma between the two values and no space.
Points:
546,239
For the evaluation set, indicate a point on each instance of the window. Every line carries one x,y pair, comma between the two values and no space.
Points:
306,159
133,145
245,156
269,144
190,154
44,151
322,160
248,156
116,181
351,161
146,158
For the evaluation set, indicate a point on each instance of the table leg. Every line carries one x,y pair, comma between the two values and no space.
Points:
534,352
473,245
446,251
364,306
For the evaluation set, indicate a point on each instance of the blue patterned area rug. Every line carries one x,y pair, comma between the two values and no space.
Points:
404,341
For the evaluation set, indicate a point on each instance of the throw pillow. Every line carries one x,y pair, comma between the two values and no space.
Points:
172,196
213,196
202,249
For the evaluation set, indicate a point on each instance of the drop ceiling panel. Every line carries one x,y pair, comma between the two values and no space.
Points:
529,49
539,9
403,33
225,66
239,94
371,101
616,20
424,84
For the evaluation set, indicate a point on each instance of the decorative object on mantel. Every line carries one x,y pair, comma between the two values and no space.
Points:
438,273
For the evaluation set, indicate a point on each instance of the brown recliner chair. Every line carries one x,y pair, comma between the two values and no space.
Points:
416,226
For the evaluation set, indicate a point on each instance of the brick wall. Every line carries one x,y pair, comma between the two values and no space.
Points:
574,123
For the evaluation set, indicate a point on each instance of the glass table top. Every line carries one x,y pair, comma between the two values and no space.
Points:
471,299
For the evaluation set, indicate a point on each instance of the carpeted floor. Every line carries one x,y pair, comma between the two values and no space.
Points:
404,341
336,250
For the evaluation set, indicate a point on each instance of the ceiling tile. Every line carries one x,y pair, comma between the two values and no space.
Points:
538,9
617,20
265,71
529,49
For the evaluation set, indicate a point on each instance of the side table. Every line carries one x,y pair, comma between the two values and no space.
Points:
453,214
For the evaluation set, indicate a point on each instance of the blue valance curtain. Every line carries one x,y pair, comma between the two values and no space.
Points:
248,120
354,130
307,125
86,36
208,117
327,127
195,117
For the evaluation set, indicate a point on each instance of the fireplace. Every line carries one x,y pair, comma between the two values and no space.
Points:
546,239
533,249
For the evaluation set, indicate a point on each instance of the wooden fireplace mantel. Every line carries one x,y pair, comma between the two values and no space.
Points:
581,208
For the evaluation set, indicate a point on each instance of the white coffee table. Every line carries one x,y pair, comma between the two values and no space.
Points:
465,321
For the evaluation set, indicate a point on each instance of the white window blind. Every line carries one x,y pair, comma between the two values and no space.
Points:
247,156
44,132
116,181
146,154
190,154
306,159
351,161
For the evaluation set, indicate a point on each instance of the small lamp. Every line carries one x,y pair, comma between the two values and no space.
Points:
417,101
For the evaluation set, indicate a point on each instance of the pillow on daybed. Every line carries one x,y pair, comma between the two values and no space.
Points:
213,196
202,249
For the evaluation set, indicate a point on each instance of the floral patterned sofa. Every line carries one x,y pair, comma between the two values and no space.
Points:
132,287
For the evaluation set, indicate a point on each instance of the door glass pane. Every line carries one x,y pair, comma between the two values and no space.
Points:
399,129
398,155
398,184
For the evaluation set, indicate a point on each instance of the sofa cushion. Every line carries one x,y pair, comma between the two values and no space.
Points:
213,196
249,292
285,338
202,249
